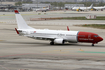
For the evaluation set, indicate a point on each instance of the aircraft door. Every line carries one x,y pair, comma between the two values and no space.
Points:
89,37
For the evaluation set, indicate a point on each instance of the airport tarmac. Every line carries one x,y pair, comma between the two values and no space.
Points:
22,53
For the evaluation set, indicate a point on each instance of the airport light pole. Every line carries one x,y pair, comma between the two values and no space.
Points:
86,5
57,3
1,2
37,3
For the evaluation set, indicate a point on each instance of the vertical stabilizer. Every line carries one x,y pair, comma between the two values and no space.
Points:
20,21
91,6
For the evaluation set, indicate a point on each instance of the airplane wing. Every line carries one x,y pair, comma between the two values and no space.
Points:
40,37
49,38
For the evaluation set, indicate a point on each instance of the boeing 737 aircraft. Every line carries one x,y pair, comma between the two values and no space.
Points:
82,8
55,36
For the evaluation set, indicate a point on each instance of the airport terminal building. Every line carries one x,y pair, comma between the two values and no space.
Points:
34,6
70,6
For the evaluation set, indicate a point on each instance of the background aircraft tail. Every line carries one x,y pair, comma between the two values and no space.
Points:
20,21
91,6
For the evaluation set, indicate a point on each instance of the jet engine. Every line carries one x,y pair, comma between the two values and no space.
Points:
59,41
77,9
92,9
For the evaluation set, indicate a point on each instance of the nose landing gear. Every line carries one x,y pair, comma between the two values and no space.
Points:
93,44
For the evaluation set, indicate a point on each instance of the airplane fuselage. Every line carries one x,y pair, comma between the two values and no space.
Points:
67,36
98,8
81,8
55,36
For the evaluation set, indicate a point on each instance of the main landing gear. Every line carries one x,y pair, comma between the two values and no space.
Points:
51,43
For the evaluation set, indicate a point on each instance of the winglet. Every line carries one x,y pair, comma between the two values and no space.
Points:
16,11
68,28
16,31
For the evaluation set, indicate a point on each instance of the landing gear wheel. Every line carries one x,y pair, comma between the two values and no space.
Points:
51,43
92,44
63,42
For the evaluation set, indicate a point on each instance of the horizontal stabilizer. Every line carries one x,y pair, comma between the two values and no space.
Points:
16,31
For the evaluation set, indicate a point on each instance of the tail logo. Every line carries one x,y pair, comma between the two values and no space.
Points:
16,12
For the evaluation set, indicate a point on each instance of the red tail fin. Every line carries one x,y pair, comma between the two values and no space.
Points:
68,28
16,31
16,11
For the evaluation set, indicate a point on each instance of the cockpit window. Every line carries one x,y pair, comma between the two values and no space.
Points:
96,36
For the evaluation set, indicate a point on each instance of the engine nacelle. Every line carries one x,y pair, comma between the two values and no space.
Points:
59,41
77,9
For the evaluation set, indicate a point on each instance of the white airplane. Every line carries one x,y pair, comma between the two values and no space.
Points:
55,36
82,8
42,9
98,8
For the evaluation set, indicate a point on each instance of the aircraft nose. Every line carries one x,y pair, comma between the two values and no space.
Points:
100,38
